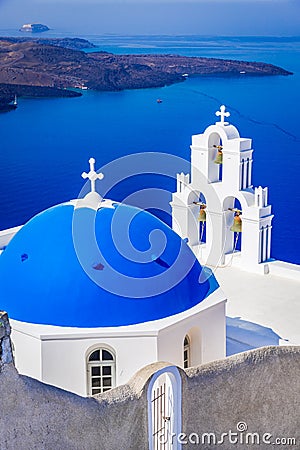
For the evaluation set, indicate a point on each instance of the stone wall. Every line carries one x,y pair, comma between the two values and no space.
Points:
260,388
5,343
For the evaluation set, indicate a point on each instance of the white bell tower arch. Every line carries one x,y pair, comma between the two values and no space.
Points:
220,184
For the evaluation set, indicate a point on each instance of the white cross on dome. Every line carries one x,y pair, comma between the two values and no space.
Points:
92,175
222,114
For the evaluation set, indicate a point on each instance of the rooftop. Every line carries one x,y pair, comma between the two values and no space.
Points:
261,309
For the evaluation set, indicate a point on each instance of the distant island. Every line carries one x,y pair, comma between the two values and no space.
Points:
54,67
34,28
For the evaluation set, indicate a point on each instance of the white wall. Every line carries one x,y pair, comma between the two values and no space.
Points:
58,355
64,360
213,329
27,352
207,331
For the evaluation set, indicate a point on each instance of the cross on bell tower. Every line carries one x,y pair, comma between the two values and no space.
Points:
92,175
222,114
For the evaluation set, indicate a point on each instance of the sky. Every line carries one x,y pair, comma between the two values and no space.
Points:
204,17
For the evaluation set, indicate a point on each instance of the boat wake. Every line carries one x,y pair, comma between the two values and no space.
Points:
219,101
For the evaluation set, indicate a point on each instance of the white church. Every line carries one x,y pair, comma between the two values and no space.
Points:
90,303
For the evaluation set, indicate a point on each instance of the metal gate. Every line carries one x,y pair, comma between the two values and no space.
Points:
162,411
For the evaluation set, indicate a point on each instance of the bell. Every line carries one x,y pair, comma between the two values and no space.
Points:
202,215
219,158
237,224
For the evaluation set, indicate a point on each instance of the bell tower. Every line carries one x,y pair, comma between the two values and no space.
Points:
238,219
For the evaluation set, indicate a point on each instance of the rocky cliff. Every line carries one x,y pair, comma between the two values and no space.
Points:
36,63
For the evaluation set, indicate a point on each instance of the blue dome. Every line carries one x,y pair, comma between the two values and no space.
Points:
86,268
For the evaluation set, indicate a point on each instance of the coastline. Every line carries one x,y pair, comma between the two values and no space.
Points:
7,91
53,67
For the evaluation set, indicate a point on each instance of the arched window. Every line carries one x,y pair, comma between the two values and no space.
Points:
186,352
101,367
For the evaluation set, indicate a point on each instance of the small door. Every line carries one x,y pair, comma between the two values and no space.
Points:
163,414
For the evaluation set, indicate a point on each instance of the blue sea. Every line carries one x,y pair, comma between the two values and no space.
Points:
45,144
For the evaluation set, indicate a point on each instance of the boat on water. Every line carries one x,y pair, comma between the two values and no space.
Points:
8,105
159,100
81,86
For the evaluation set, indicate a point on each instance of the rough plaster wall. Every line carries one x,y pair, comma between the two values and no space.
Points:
261,388
41,417
35,416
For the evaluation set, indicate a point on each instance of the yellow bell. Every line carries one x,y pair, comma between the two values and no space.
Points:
237,224
202,215
219,158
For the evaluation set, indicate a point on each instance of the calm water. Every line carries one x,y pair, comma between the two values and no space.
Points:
45,144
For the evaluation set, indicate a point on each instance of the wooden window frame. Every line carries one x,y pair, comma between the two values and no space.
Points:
101,363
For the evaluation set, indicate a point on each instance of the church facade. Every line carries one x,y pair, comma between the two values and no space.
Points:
91,304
